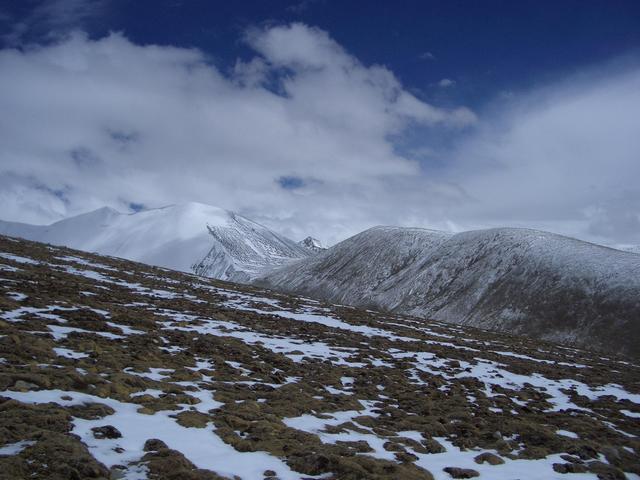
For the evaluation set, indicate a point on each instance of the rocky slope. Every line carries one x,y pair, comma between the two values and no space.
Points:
190,237
512,280
114,369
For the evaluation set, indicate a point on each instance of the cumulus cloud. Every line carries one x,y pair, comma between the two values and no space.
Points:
305,138
564,158
92,122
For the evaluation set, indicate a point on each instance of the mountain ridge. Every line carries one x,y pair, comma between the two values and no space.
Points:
517,280
508,279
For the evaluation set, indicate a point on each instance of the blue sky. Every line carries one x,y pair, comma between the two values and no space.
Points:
327,117
487,48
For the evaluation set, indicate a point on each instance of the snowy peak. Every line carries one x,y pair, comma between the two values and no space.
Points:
243,249
190,237
312,244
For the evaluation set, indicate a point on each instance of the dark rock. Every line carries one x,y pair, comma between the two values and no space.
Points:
585,452
560,467
106,431
91,411
23,386
606,472
432,446
153,444
570,458
457,472
490,458
405,457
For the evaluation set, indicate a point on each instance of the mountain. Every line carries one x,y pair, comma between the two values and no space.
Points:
312,244
631,248
190,237
112,369
512,280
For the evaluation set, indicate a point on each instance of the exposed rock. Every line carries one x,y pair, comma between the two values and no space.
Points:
153,444
23,386
456,472
106,431
490,458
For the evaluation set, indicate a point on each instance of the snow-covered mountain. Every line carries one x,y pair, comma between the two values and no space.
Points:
514,280
190,237
312,244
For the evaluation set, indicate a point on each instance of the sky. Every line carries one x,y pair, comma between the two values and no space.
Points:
324,118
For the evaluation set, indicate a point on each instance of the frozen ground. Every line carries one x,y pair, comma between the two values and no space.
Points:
116,369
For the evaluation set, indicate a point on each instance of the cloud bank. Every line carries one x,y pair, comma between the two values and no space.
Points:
306,139
88,123
564,158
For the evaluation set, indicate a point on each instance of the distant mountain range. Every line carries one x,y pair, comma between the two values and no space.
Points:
190,237
512,280
312,244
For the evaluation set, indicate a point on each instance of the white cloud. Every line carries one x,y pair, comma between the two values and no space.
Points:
446,83
306,139
87,123
563,158
53,18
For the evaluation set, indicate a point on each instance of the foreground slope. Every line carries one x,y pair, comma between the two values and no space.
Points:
190,237
112,369
513,280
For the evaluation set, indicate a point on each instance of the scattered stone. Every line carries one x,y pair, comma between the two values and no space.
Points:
432,446
91,411
193,419
23,386
490,458
457,472
171,464
153,444
571,458
106,431
605,471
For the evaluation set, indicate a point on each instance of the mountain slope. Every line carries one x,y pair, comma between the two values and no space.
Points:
357,271
631,248
514,280
112,369
191,237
